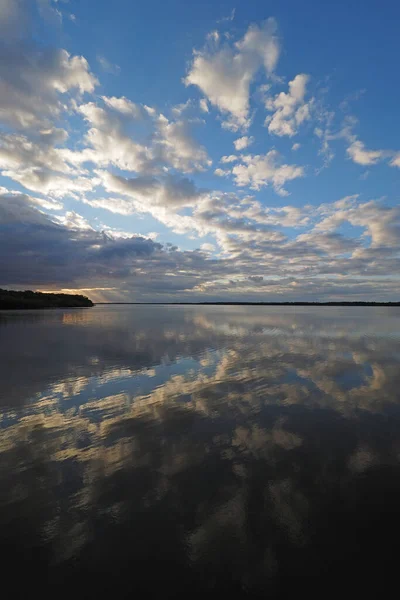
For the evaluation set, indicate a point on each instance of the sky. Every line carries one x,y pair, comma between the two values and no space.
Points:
222,150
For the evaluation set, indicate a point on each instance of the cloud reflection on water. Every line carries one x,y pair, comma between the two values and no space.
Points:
224,447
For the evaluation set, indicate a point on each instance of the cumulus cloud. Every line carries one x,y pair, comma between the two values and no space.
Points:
73,220
221,172
262,170
395,162
123,105
289,109
169,191
118,206
360,155
34,80
67,252
108,142
111,142
243,142
225,72
37,252
207,247
204,105
127,158
229,159
39,165
177,147
357,150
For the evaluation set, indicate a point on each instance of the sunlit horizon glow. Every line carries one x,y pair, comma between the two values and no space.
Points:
240,161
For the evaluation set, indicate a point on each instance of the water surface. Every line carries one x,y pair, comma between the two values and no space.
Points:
189,450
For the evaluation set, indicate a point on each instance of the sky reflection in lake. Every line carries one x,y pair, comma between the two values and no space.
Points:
179,449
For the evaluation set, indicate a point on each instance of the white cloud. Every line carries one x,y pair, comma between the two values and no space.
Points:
123,105
73,220
263,43
296,147
179,109
230,17
243,142
176,146
224,74
360,155
33,81
109,144
41,86
207,248
46,182
229,159
106,65
117,206
221,172
395,162
204,105
40,166
171,142
261,170
289,109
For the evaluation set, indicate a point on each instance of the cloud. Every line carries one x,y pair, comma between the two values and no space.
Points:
230,17
67,252
73,220
256,278
107,66
262,170
204,105
296,147
37,251
15,16
175,146
243,142
112,142
221,172
229,159
127,158
124,106
360,155
39,165
356,149
395,162
108,141
46,182
34,81
118,206
169,191
208,247
224,73
289,109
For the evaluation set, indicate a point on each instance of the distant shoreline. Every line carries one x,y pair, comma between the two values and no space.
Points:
250,303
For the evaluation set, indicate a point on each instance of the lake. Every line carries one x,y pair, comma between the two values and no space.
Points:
198,450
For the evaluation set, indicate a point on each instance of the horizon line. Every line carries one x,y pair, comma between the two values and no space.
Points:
250,303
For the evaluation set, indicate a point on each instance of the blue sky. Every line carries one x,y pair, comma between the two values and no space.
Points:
198,151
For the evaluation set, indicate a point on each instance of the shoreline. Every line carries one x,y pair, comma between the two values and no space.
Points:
362,304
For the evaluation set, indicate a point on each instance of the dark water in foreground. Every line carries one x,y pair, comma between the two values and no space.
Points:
150,451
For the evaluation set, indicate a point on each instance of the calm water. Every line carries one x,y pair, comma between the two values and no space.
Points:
198,450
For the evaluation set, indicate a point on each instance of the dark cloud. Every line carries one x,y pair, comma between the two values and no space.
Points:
36,251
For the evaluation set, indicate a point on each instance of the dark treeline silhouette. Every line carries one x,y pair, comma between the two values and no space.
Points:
11,299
